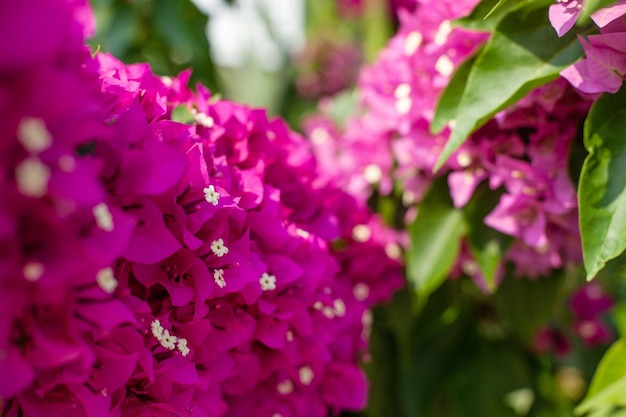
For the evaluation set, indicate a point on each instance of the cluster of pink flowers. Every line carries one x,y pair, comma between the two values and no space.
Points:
523,151
157,268
587,305
604,66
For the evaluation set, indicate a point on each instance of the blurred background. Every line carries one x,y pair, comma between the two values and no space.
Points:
463,353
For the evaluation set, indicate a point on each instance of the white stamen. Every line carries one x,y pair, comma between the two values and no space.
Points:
32,177
442,33
182,346
361,291
33,134
218,277
103,216
318,305
412,43
372,173
106,280
302,233
157,329
393,251
67,163
166,80
285,387
268,282
205,120
464,159
361,233
289,336
340,307
33,271
328,312
218,248
306,375
403,105
444,66
167,340
319,136
403,90
211,196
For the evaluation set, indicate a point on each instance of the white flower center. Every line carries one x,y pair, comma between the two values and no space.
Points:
372,173
306,375
33,134
361,233
444,66
33,271
182,346
211,196
205,120
168,341
361,291
285,387
442,33
319,136
403,105
268,282
32,177
412,43
157,329
218,277
218,248
103,216
106,280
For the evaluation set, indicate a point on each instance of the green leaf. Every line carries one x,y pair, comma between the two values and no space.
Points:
487,14
449,100
487,245
609,382
435,240
525,305
523,53
590,6
602,186
182,114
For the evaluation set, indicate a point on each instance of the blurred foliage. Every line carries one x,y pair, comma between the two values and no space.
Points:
170,35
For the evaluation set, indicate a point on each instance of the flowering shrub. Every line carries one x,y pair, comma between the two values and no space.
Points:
155,267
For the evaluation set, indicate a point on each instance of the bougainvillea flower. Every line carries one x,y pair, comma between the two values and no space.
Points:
563,15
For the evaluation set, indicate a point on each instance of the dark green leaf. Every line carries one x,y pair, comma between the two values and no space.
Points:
435,240
523,53
487,245
602,187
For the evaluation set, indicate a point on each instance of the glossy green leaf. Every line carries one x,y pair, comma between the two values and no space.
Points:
449,100
435,240
602,186
609,382
487,14
523,53
487,245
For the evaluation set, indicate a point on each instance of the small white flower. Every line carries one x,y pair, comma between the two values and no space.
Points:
306,375
106,280
412,42
285,387
339,307
205,120
361,291
157,329
444,66
218,277
33,134
268,282
211,196
218,248
182,346
32,177
33,271
168,341
103,216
